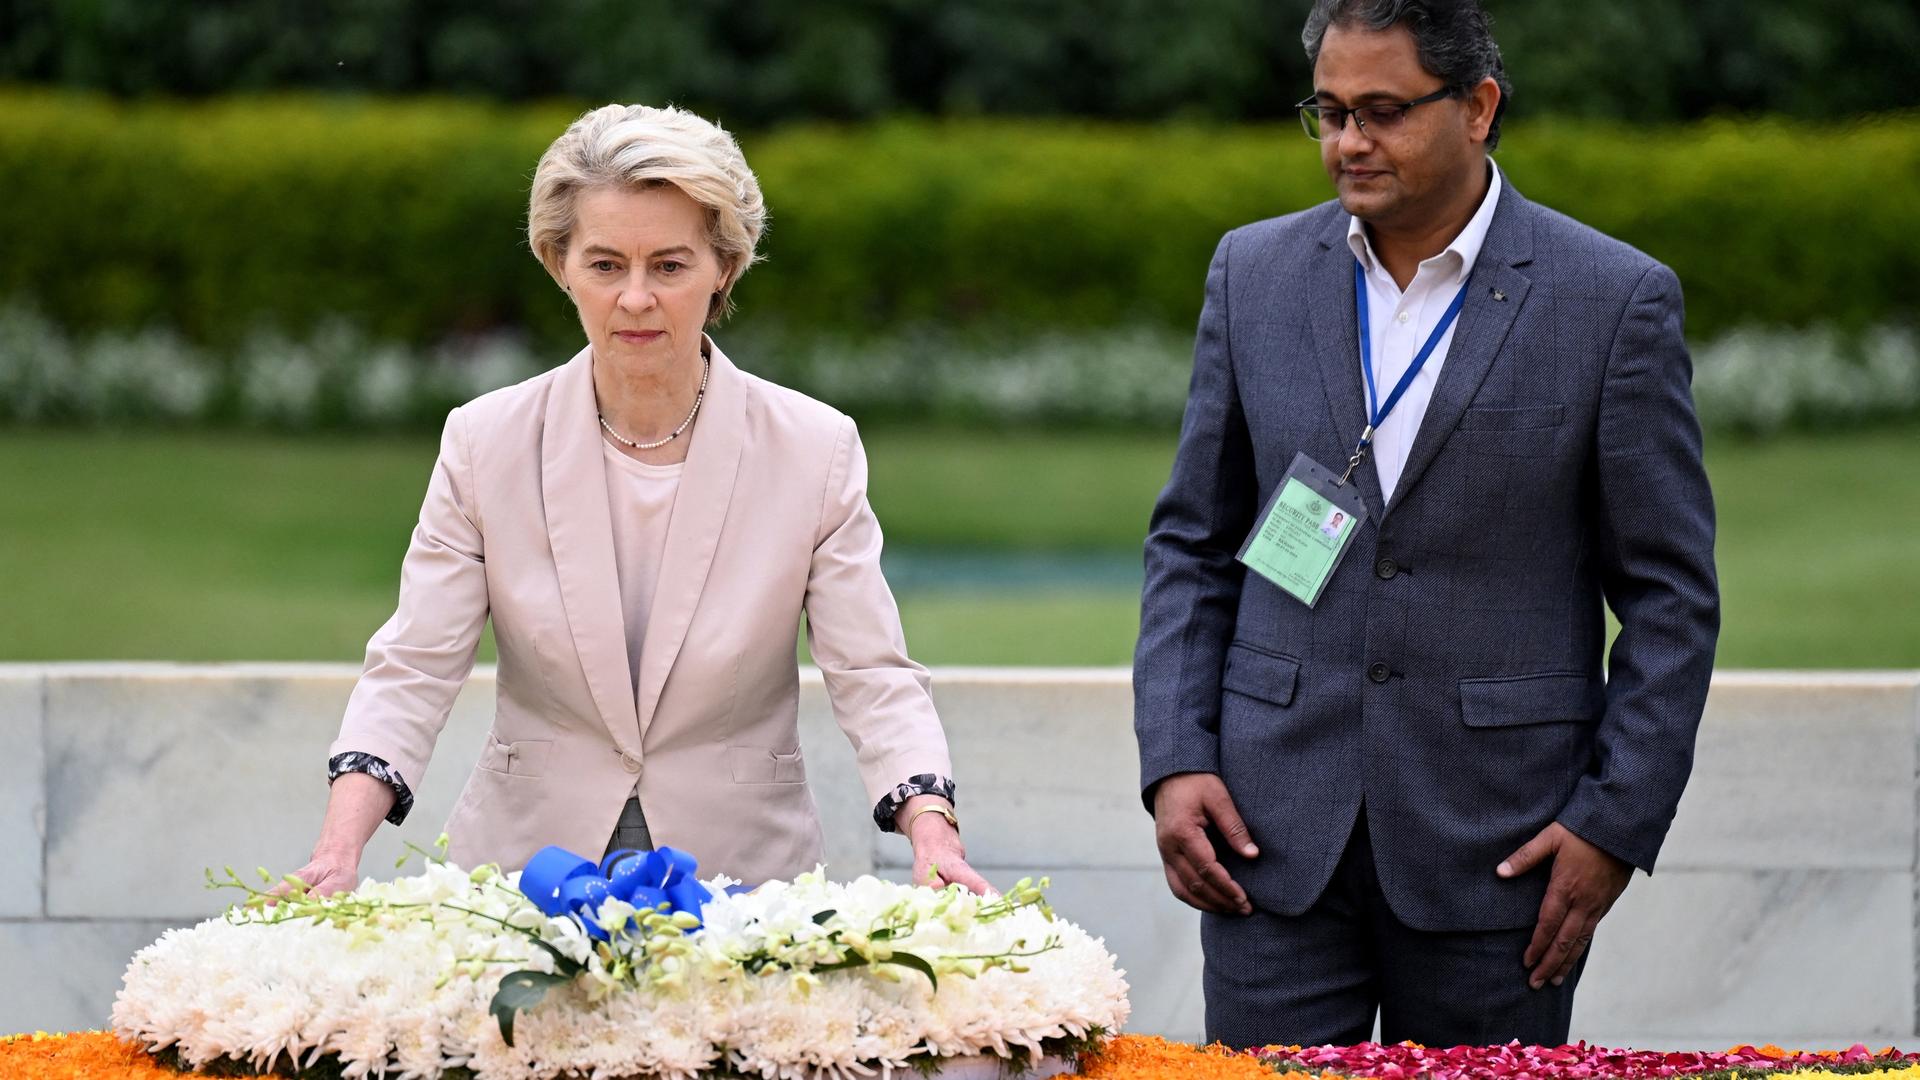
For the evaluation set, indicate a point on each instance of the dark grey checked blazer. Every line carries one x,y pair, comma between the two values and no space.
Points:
1451,676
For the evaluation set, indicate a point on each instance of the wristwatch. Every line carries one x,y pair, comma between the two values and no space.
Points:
941,810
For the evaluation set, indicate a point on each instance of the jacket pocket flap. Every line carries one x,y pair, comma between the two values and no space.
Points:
1258,674
1521,418
760,765
1510,701
525,758
528,757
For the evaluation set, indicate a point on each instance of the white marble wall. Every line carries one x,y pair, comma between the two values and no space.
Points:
1784,904
1784,909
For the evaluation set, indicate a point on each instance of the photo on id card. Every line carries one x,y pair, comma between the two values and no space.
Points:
1304,531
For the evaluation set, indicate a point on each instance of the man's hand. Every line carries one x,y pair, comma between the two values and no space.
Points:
1183,806
1585,883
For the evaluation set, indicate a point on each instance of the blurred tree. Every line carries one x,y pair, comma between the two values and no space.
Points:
759,62
1681,59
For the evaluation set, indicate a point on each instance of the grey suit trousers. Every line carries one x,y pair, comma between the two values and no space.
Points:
1321,976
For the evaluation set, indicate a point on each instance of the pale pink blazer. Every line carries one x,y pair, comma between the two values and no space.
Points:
771,521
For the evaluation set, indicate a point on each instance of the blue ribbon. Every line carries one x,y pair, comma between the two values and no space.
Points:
562,883
1377,409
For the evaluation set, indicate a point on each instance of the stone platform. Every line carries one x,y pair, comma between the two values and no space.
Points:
1784,909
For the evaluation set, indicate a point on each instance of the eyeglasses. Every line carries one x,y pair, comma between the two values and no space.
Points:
1324,122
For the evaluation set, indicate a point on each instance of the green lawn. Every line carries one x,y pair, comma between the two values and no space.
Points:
222,547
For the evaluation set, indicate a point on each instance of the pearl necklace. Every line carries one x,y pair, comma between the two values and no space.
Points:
706,368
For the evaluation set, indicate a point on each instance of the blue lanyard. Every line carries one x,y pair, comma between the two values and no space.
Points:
1377,409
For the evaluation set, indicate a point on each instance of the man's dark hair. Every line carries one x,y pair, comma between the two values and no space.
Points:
1455,39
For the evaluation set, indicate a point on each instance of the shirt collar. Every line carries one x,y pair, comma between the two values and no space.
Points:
1459,255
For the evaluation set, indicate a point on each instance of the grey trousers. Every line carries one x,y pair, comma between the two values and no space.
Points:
1321,976
631,831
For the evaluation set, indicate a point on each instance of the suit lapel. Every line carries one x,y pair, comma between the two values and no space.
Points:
573,487
693,534
1336,345
1495,293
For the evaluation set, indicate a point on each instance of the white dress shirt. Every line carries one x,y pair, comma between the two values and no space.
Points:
1400,323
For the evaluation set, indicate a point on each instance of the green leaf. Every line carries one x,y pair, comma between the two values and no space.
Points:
566,965
909,960
821,918
520,990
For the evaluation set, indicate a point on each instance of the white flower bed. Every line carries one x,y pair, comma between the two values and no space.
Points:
398,980
1755,379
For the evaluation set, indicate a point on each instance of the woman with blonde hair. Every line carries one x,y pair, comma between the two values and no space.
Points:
645,525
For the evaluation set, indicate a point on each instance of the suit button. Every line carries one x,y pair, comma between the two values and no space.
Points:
631,763
1386,568
1379,672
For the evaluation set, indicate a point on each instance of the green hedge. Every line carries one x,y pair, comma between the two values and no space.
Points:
405,217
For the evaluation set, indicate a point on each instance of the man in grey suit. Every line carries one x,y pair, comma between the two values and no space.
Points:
1418,795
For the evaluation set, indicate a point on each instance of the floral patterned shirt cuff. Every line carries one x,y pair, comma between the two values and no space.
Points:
923,784
355,761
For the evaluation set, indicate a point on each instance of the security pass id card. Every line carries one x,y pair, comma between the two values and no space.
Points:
1305,530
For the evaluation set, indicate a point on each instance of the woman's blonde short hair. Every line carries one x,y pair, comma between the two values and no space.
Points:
638,146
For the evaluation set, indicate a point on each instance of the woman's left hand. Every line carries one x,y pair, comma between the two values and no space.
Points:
940,859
